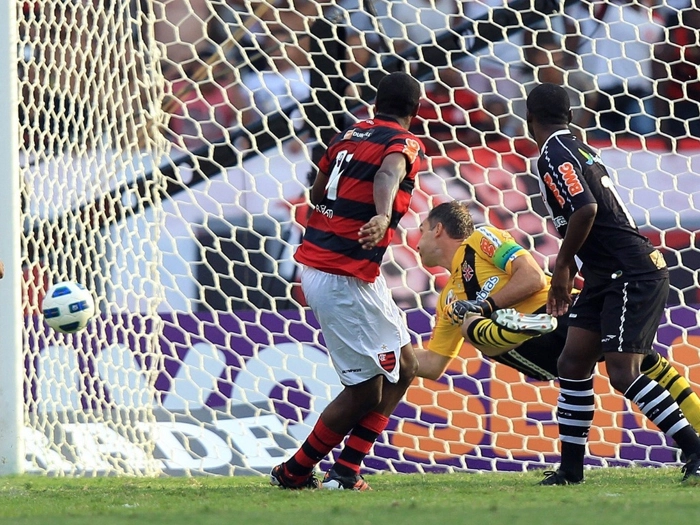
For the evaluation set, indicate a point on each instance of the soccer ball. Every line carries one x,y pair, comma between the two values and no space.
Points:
67,307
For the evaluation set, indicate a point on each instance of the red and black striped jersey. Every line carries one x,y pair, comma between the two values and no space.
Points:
330,243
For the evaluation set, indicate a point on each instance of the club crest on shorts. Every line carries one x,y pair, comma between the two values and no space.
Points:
387,360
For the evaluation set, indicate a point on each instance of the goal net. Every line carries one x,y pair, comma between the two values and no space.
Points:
165,152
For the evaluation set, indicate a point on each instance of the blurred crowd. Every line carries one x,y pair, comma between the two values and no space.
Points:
235,69
631,65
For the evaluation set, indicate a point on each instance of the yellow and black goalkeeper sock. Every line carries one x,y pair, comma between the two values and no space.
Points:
656,403
485,332
656,367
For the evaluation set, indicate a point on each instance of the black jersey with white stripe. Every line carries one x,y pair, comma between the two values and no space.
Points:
572,175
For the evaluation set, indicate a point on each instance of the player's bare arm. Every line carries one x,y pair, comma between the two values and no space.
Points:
386,184
580,224
431,365
527,278
2,269
318,189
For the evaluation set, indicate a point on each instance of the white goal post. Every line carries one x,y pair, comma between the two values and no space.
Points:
159,153
11,378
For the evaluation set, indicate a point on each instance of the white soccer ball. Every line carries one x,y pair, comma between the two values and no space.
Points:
67,307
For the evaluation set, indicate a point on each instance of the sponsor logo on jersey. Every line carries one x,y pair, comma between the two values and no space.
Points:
352,133
570,178
549,182
411,149
323,209
487,247
590,158
491,237
608,337
488,287
559,222
657,259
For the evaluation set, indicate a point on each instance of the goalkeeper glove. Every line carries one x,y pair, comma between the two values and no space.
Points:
457,310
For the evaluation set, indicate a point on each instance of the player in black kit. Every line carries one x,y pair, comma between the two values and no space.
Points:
625,289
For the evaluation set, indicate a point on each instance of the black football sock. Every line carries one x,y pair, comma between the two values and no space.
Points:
575,409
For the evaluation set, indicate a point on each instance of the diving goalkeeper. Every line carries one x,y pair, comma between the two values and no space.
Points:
496,298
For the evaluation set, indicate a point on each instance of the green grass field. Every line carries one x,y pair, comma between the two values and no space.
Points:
615,496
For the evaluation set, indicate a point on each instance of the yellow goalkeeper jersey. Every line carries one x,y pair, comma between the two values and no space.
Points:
482,265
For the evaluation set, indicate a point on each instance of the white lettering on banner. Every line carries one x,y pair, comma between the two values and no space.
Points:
59,383
182,446
36,446
289,362
256,450
59,379
118,373
180,456
94,442
196,378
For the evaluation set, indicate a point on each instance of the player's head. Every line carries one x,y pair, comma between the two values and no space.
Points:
454,217
548,105
398,94
446,226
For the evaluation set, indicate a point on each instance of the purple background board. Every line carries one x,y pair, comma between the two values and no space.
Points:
237,336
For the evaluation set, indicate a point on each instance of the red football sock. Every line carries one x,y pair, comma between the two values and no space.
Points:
360,443
316,447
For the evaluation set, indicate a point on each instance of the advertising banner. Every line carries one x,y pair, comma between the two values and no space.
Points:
239,396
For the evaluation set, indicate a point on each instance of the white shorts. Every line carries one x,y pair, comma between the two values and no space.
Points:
363,328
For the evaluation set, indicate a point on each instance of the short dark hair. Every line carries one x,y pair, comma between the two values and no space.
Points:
398,94
549,104
455,218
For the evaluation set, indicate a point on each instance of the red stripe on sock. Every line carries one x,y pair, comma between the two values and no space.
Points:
293,477
351,466
304,460
324,439
359,444
375,422
360,441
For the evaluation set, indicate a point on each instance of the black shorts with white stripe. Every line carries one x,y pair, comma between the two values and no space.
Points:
625,313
